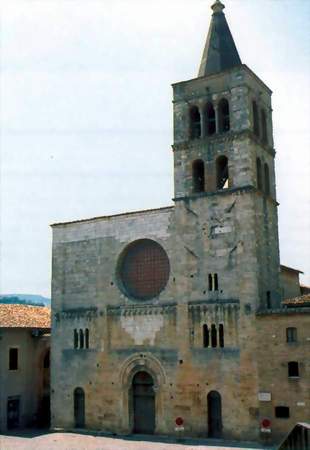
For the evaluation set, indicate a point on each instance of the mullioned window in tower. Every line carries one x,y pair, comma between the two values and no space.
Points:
210,119
195,123
224,118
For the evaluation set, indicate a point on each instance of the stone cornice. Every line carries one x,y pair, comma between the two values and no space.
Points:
228,191
76,313
283,311
219,138
140,310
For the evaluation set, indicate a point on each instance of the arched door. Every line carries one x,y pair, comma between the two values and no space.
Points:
143,403
79,408
214,415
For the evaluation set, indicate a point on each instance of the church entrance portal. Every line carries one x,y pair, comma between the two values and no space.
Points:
214,415
143,403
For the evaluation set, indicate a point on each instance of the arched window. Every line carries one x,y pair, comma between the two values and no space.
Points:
81,335
216,282
267,179
221,335
79,407
222,175
210,119
195,123
255,118
206,338
213,336
210,282
264,126
291,334
224,121
259,174
86,338
198,170
76,338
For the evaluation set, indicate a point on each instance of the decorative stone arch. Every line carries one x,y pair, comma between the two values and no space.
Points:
141,362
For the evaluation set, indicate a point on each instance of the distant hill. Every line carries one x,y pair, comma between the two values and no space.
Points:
25,299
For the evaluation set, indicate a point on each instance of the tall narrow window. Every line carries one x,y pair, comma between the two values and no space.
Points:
76,338
293,369
224,120
221,335
206,337
198,170
268,300
210,119
13,359
81,335
213,336
216,282
291,334
210,282
259,174
86,338
195,123
222,175
264,126
255,118
46,360
267,179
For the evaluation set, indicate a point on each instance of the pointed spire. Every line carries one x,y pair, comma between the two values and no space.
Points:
220,51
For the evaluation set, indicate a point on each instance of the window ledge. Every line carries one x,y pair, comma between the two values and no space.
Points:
293,378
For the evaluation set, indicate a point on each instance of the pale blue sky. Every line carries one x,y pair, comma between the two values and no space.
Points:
86,113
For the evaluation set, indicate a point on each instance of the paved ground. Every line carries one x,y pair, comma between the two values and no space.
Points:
74,441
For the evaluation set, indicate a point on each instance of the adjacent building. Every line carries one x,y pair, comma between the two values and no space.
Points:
172,319
24,366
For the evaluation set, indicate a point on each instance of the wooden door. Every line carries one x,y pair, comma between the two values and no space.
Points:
143,403
79,408
214,415
13,407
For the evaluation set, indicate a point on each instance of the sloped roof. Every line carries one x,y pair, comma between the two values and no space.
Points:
220,52
302,300
130,213
289,269
24,316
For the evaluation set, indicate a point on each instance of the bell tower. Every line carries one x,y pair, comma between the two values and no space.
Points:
224,171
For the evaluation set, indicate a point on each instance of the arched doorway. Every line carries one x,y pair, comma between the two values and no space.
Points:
143,403
214,415
79,408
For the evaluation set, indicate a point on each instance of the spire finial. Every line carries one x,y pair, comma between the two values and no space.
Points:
217,6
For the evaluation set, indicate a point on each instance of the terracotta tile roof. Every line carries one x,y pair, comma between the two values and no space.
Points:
24,316
303,300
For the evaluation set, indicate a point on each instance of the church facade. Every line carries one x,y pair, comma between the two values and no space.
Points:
171,320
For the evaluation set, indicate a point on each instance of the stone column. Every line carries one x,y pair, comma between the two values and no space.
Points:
217,128
202,121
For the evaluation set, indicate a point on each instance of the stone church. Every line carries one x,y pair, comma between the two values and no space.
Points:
172,320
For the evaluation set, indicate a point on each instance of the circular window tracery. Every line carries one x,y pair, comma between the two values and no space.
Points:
143,269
